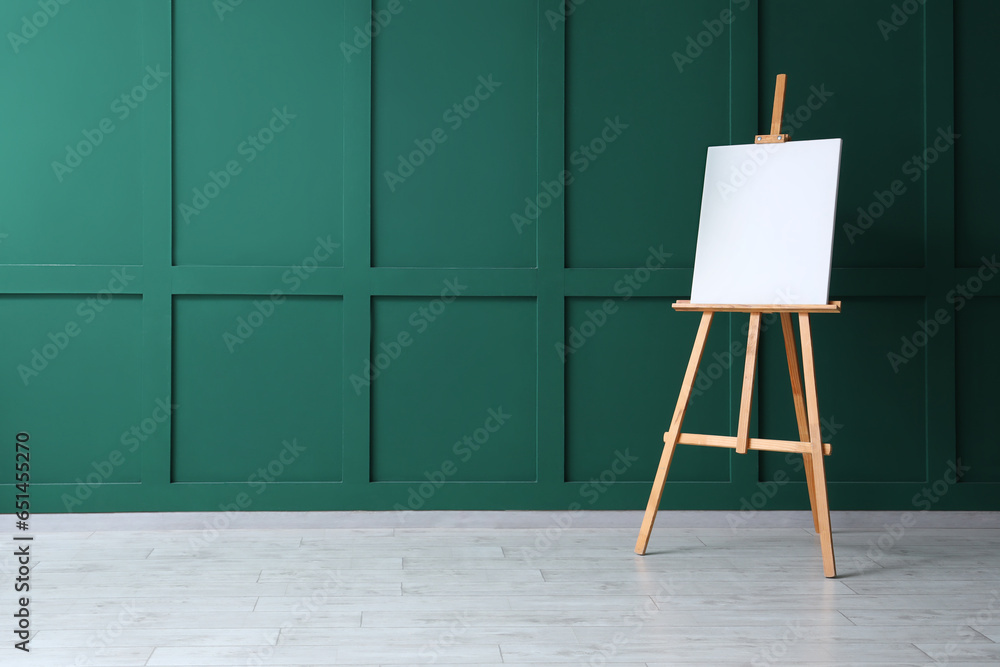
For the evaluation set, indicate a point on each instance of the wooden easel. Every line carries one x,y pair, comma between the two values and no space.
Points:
809,444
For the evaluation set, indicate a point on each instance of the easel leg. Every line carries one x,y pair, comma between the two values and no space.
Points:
800,408
822,507
746,395
671,437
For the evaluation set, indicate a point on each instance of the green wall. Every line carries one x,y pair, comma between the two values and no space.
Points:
218,216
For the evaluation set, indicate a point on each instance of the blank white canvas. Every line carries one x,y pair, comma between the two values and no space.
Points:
767,222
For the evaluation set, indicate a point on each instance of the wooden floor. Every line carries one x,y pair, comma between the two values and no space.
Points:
418,592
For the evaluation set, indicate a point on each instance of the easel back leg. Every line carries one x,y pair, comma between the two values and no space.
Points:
798,398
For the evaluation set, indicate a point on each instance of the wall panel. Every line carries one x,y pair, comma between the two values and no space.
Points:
453,157
257,381
977,366
77,91
72,381
258,128
430,403
976,232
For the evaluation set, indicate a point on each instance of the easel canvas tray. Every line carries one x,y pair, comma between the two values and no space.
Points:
767,222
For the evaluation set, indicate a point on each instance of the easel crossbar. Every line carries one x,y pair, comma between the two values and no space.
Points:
759,444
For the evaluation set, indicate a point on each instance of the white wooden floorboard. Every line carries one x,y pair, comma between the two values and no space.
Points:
108,657
264,620
508,588
515,559
593,614
915,614
667,636
371,604
325,655
710,652
50,592
177,604
569,602
850,606
134,636
958,588
961,651
459,635
991,631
